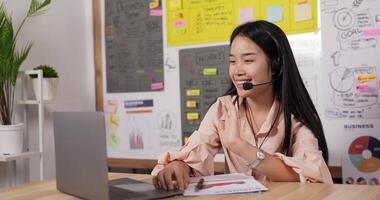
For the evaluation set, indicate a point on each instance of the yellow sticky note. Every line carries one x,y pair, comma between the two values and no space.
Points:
179,31
113,121
211,71
154,4
191,104
362,78
186,139
302,12
192,116
175,4
193,92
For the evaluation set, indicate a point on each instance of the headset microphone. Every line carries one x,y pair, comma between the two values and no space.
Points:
249,85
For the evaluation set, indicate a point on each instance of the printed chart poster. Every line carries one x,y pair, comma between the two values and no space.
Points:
361,159
134,46
351,61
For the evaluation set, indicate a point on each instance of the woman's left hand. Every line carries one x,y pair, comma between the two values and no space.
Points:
231,138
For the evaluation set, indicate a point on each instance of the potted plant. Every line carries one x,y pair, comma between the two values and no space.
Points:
11,58
49,82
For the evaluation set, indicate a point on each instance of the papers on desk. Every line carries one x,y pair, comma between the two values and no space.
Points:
223,184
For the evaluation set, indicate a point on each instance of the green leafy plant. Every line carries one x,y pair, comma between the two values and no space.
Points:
47,72
11,58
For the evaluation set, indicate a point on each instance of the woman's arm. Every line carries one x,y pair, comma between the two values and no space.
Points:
272,166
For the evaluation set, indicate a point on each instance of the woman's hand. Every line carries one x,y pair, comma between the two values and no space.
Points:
231,138
176,169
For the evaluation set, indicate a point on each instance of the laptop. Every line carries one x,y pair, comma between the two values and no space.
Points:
81,161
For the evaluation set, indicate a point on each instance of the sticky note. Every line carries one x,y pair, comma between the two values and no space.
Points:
155,12
191,104
362,88
113,121
111,106
302,12
186,139
275,13
154,4
175,4
140,71
157,86
371,32
179,31
192,116
245,15
193,92
301,1
362,78
210,71
178,15
179,23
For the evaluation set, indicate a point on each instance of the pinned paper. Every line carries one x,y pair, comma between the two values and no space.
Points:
157,86
140,71
362,88
155,12
245,15
175,4
302,12
193,92
191,104
192,116
111,106
211,71
362,78
154,4
275,13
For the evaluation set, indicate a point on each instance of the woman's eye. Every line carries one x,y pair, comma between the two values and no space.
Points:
248,61
232,62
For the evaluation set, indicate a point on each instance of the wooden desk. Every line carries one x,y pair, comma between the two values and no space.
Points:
47,190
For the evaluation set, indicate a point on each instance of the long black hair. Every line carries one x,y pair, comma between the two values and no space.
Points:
288,86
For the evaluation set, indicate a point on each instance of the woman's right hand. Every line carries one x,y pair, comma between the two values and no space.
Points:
176,169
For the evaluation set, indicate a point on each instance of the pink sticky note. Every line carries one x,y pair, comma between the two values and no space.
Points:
362,88
371,32
179,23
155,12
111,106
157,86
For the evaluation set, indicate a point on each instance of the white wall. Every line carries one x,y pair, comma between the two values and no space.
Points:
63,38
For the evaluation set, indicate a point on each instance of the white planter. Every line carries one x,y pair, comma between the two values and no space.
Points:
11,138
49,85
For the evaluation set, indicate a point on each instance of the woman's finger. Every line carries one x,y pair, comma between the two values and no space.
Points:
161,179
168,179
179,178
155,182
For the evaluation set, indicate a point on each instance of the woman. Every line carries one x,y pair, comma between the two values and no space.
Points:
272,129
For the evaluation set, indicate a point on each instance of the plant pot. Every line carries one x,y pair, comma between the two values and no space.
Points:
11,138
49,85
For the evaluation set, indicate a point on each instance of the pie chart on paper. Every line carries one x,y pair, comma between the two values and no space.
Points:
364,153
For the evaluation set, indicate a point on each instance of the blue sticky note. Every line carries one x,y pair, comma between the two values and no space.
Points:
275,13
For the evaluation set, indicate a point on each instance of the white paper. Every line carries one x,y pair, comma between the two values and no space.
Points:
224,184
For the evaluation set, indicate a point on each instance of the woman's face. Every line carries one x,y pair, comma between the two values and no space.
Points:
249,63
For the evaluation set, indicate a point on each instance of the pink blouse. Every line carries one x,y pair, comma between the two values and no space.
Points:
203,144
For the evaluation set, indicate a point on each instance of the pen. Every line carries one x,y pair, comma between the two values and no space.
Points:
199,185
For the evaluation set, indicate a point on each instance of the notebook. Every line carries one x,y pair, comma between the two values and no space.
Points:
81,161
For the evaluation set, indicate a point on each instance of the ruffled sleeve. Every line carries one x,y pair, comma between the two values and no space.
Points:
201,148
307,159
